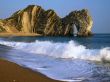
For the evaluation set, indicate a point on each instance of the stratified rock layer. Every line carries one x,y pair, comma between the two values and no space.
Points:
34,19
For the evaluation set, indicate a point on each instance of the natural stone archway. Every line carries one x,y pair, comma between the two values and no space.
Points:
82,20
34,19
84,23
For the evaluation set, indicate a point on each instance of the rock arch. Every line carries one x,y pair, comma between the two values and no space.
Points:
34,19
82,20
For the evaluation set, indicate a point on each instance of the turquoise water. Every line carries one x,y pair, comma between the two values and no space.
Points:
63,58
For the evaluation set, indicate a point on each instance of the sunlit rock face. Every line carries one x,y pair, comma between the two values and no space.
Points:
34,19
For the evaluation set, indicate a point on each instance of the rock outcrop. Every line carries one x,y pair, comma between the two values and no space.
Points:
34,19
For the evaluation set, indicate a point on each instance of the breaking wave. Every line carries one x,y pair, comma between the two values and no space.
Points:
61,50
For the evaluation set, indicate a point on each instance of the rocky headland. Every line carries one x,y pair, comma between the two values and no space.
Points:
35,20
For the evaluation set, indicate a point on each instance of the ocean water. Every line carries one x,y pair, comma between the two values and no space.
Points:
70,59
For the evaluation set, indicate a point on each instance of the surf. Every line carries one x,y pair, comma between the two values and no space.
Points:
71,49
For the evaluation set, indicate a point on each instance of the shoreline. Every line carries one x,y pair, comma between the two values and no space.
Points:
11,72
18,34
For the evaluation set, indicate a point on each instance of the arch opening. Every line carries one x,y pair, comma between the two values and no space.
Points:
75,31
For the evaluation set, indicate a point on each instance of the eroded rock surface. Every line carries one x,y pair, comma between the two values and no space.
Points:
34,19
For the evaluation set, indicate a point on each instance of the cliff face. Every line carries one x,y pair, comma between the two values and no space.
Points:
34,19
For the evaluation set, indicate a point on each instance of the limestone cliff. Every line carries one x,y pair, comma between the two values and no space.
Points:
34,19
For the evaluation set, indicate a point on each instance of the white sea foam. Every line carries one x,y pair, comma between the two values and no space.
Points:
61,50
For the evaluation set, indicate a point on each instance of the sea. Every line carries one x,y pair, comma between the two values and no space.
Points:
70,59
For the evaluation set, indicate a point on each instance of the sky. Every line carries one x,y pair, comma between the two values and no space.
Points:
99,9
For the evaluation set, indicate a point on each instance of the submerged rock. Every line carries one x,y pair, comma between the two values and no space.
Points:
34,19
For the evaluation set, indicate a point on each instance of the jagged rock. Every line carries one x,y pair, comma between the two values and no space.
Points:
34,19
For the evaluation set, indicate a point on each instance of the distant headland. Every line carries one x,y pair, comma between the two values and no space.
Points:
35,21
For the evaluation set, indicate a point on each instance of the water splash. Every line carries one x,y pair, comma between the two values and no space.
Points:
61,50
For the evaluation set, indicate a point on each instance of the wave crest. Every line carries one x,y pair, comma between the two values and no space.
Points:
61,50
